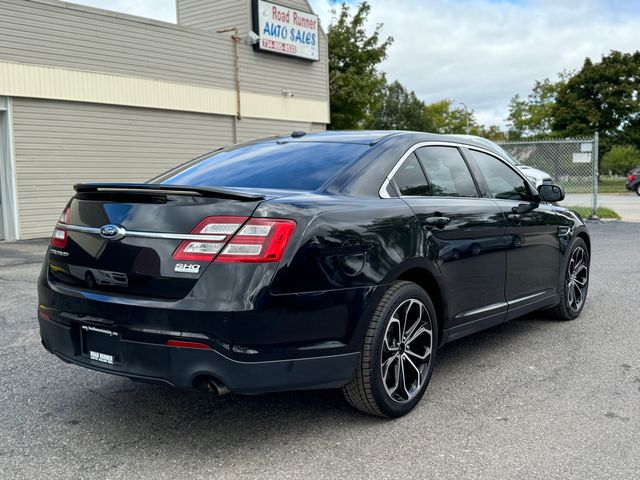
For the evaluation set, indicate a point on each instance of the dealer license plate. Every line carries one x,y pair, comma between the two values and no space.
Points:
101,345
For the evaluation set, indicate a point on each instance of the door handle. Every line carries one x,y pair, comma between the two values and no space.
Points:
438,222
524,208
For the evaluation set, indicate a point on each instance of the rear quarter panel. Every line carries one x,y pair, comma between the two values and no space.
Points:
344,242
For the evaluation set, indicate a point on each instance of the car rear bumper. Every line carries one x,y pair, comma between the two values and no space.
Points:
183,367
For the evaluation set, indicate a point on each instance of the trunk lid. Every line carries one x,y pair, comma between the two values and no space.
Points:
147,223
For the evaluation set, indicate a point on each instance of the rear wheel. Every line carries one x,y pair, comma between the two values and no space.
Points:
398,354
637,189
574,282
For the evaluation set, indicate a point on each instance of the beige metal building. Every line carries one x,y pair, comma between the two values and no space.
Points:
92,95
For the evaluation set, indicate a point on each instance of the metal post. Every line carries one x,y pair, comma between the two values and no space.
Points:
596,146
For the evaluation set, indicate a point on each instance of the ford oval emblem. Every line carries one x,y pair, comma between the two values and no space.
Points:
112,232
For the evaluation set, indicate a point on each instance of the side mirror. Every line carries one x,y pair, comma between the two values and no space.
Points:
551,193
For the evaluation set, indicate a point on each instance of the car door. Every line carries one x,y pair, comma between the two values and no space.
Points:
533,247
464,234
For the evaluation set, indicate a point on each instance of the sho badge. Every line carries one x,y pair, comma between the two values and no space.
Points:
187,268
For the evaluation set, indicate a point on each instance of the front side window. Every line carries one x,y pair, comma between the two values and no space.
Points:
448,173
410,179
502,181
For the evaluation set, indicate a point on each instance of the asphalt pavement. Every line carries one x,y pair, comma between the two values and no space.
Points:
534,398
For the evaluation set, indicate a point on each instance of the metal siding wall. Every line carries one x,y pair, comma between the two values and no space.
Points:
64,35
57,34
318,127
214,14
254,128
58,144
259,71
271,73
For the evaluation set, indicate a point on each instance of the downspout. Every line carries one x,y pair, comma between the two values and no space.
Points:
236,40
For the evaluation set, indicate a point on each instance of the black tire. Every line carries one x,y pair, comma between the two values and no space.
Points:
637,189
565,310
367,390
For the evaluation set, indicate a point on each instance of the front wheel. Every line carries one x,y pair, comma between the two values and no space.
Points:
574,281
398,354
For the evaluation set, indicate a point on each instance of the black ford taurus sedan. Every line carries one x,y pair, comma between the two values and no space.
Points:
331,260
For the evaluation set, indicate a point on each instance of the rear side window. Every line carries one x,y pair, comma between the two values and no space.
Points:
286,166
502,181
447,171
410,179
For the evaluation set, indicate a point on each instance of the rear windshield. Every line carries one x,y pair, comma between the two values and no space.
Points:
286,166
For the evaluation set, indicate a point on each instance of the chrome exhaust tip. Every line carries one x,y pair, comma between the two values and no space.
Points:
210,384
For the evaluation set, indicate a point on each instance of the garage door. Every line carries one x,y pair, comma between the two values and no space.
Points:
2,170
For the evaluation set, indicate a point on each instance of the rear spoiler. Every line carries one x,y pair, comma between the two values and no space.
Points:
151,188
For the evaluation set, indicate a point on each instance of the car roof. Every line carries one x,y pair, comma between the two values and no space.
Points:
476,140
372,137
363,137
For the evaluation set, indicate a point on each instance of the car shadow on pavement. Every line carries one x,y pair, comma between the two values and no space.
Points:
156,417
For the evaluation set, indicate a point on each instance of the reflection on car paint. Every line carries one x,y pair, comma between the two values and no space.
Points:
94,277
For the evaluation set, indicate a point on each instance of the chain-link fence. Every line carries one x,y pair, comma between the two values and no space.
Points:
571,163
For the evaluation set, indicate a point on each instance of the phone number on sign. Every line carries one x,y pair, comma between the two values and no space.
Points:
278,46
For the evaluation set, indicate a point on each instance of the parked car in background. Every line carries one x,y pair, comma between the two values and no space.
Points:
633,180
337,259
535,176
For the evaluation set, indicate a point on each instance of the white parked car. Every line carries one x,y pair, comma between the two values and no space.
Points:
535,176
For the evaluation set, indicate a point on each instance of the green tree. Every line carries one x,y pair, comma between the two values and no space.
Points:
620,159
492,132
602,96
443,117
354,80
533,116
398,109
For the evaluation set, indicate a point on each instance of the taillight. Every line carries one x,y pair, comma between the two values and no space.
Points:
60,235
237,239
184,344
632,178
214,233
259,240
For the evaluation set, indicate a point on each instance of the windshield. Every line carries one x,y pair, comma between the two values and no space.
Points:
271,165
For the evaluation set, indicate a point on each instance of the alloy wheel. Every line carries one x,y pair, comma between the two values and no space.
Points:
577,276
406,351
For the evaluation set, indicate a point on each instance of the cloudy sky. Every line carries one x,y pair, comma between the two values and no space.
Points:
480,52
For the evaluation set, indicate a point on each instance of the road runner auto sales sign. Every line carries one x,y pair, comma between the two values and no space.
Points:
285,30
